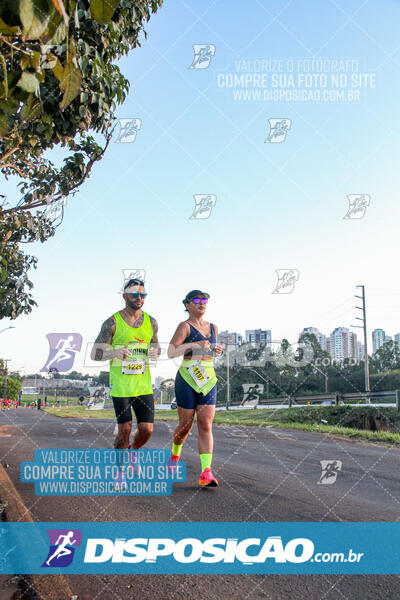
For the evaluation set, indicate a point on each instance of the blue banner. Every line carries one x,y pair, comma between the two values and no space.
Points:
212,548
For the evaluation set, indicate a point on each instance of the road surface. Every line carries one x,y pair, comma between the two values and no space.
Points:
265,474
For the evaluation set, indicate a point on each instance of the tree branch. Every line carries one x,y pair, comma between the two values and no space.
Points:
11,166
7,154
39,203
15,47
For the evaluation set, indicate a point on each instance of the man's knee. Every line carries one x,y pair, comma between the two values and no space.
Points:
124,429
122,438
145,429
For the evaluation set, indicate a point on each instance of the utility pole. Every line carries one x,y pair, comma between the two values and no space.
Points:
6,360
325,374
364,327
263,378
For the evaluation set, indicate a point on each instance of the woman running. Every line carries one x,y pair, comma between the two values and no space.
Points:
196,381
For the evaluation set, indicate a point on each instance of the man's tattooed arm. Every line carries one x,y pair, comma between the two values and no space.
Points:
155,344
99,351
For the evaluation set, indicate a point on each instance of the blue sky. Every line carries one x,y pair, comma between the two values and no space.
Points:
278,205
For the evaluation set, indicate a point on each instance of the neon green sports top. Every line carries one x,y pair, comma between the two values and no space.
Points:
131,377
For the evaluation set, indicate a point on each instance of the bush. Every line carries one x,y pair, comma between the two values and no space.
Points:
367,418
12,390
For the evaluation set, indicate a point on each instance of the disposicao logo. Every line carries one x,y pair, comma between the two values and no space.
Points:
190,550
62,547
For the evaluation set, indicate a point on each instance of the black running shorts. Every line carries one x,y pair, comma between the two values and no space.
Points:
143,407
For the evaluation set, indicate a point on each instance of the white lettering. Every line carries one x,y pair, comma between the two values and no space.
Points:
107,548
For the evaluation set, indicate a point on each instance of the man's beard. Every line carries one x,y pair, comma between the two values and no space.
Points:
133,304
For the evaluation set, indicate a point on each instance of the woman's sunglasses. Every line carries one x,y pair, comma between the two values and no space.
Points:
137,294
202,300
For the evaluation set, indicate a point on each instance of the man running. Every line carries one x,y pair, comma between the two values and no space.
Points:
128,333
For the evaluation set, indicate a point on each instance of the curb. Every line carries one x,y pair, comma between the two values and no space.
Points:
47,587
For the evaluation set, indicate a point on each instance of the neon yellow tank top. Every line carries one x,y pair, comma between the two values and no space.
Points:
131,377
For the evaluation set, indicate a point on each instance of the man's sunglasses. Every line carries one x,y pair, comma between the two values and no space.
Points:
137,294
202,300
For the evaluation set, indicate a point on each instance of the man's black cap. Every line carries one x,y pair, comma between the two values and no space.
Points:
194,294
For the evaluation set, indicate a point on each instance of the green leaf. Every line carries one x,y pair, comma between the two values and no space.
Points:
70,6
35,16
24,61
4,28
12,78
103,10
70,84
36,60
56,31
32,109
4,124
58,69
54,23
28,82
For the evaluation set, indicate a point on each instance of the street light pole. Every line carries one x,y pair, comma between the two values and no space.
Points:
5,329
325,374
263,378
6,360
228,381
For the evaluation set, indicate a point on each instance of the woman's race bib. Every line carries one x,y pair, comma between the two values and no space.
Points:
134,366
198,374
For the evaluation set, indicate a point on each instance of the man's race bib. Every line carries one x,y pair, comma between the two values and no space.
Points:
198,374
134,366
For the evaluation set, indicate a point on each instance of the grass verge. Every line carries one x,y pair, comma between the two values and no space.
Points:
259,418
80,411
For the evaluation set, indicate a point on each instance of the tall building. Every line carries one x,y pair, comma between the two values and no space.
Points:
397,340
230,337
343,344
259,336
353,346
378,339
321,338
361,351
158,381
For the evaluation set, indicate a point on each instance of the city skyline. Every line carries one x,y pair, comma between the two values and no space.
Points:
333,343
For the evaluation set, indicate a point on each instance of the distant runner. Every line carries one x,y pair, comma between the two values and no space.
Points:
128,333
196,382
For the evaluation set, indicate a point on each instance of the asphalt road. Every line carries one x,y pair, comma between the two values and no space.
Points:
265,474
